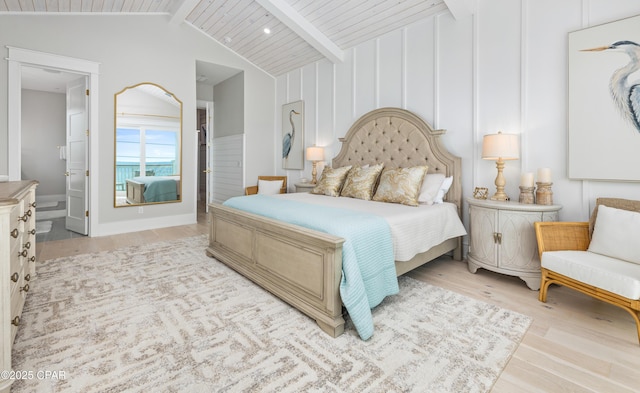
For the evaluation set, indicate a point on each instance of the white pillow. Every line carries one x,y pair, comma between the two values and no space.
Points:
616,234
430,187
269,187
444,187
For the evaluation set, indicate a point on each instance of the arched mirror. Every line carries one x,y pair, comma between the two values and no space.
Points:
148,135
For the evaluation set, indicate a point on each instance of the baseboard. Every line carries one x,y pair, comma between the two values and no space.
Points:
136,225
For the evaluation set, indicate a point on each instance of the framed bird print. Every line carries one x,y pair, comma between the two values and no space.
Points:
604,101
293,135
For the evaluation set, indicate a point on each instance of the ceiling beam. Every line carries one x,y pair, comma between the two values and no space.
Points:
181,12
308,32
460,9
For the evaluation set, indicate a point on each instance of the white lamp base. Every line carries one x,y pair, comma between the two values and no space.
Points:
314,173
500,183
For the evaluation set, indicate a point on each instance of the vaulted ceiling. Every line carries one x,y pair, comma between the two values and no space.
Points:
300,31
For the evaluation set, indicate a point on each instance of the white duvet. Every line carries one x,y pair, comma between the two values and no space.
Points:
414,229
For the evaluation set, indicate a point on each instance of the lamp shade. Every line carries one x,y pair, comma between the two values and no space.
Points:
315,153
496,146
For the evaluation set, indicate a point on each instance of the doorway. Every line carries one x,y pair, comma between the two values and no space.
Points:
44,152
22,62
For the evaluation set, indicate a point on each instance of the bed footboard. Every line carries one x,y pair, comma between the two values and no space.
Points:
135,192
301,266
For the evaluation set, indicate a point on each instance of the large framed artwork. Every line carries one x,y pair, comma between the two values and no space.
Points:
293,135
604,101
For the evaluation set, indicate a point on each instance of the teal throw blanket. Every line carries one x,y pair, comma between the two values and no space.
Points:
368,267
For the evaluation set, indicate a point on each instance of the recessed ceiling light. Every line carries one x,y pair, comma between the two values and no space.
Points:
267,30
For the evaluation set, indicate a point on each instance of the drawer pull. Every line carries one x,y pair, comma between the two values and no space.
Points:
23,218
29,213
25,288
33,258
33,231
34,204
14,233
15,277
15,321
24,253
27,245
27,277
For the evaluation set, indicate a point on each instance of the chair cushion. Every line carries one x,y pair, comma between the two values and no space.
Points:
615,234
611,274
269,187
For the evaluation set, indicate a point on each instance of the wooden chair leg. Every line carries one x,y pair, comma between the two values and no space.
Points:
636,316
544,285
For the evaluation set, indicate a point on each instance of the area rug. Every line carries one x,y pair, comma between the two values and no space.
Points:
164,317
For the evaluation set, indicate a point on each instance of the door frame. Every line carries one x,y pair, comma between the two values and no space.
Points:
17,57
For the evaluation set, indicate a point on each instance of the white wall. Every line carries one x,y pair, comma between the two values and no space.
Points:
133,49
502,68
228,96
43,131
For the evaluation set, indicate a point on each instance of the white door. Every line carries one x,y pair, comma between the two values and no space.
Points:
209,170
77,156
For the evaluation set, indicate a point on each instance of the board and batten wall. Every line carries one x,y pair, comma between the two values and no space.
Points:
502,67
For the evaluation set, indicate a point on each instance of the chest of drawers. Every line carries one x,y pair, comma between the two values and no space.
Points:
17,261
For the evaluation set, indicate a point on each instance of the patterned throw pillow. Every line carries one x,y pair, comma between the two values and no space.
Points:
330,182
361,181
401,185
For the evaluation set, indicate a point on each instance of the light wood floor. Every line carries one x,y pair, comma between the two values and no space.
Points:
575,343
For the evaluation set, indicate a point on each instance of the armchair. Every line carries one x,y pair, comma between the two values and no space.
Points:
568,257
266,180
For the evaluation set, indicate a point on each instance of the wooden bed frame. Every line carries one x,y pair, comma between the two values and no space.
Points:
135,192
303,267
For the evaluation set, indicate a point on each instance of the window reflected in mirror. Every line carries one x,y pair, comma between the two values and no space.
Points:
148,123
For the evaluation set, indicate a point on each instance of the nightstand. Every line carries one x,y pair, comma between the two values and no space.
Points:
304,187
502,238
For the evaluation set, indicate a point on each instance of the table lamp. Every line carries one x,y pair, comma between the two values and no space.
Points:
314,154
500,147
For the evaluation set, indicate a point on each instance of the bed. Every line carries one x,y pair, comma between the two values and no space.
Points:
303,266
149,189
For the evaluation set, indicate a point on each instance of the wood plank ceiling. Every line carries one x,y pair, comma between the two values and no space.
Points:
301,31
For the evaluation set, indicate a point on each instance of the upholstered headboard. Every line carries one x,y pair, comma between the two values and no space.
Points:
399,138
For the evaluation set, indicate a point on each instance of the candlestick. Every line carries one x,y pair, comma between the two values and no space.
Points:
544,175
526,195
544,195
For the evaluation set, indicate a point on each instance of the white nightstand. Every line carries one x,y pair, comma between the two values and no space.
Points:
304,187
502,238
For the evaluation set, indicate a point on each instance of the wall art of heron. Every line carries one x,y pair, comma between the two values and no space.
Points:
625,94
287,140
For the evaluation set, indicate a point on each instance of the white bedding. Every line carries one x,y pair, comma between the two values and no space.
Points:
414,229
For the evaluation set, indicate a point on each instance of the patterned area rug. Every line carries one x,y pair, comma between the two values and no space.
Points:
164,317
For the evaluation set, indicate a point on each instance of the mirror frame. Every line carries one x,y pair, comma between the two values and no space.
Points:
115,149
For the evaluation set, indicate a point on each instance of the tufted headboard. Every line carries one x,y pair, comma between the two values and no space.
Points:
399,138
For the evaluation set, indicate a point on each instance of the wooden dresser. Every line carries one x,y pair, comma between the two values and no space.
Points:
17,262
